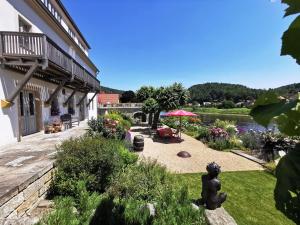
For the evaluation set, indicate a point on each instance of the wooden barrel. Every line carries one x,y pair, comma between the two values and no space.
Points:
138,143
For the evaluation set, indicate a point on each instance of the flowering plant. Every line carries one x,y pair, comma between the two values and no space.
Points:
217,132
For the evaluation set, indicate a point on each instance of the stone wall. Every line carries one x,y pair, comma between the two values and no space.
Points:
21,200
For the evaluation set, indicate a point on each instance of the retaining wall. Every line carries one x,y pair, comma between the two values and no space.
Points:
22,199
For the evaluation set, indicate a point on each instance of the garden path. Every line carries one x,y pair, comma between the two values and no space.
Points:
165,152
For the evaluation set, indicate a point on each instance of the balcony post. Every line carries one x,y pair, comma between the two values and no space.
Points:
72,71
45,52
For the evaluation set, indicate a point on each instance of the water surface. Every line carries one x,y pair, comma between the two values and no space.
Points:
243,122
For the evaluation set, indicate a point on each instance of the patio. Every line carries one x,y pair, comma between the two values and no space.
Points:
165,152
20,162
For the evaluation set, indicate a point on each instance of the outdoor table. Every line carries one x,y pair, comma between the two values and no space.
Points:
165,132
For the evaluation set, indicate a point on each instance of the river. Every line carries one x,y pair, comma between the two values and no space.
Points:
243,122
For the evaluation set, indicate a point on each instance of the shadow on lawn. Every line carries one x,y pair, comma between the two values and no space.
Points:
110,213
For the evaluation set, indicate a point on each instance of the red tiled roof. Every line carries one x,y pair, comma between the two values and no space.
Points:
108,98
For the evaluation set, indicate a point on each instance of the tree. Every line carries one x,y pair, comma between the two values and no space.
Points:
286,112
127,96
169,98
162,99
150,107
144,93
227,104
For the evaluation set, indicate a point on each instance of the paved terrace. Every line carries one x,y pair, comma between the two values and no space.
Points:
21,162
165,152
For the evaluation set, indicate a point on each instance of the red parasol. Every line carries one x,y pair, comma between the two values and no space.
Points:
180,113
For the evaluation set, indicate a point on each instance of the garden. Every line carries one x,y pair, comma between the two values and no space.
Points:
226,136
98,181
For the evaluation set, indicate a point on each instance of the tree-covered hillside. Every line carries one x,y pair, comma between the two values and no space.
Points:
288,90
222,91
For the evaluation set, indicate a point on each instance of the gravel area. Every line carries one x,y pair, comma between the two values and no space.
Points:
165,152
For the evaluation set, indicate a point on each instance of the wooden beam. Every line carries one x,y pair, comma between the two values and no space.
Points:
5,103
87,105
51,97
69,98
82,99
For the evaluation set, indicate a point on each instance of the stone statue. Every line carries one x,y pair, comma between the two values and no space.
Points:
210,187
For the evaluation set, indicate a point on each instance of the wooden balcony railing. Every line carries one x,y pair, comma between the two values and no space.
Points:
39,46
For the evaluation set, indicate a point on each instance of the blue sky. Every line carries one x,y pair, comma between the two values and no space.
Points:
158,42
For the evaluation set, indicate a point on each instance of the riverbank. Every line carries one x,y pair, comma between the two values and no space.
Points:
233,111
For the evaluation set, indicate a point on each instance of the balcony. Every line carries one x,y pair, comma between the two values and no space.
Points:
18,50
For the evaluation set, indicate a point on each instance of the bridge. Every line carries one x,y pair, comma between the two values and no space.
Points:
132,109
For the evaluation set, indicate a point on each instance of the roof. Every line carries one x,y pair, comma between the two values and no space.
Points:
108,98
73,22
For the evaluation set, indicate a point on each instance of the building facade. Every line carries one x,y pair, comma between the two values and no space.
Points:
45,70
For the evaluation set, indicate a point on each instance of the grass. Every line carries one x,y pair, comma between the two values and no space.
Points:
250,196
235,111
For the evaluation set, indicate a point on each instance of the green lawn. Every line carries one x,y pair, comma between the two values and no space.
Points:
250,196
238,111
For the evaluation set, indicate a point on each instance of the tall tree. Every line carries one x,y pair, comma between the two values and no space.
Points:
144,93
169,98
150,107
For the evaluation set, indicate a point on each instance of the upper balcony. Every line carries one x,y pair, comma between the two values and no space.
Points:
17,49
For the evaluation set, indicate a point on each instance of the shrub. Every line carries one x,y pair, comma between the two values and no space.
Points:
216,133
203,133
223,123
227,104
107,128
92,159
251,140
142,181
175,208
145,183
73,211
219,144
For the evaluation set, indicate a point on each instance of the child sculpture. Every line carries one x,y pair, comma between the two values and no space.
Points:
210,187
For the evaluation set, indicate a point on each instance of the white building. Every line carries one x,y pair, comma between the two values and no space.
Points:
45,70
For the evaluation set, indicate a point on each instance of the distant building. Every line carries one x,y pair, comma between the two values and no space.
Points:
104,98
207,104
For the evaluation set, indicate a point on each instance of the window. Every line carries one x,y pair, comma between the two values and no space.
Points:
24,26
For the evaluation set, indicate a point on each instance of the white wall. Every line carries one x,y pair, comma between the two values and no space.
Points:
92,109
9,116
13,8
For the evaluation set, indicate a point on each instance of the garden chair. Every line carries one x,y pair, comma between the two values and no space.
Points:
176,133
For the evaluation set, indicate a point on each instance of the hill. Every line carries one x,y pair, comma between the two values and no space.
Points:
111,90
288,90
222,91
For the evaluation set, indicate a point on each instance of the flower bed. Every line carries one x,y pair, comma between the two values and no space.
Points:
225,135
